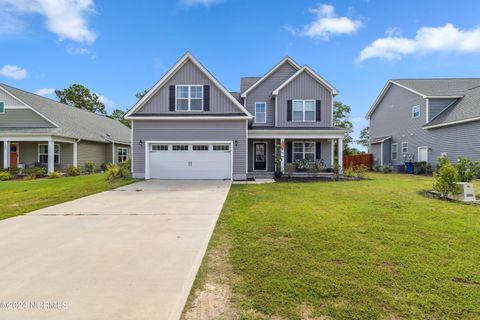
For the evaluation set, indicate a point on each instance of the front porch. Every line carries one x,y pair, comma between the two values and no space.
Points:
296,154
51,153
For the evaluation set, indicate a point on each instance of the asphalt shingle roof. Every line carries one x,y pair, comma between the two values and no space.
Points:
72,122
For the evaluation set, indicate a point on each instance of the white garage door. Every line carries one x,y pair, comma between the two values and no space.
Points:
189,161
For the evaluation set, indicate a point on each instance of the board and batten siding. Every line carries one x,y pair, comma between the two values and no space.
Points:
304,87
263,93
231,130
393,117
189,74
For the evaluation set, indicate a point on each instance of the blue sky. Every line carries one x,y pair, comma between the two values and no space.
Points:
118,48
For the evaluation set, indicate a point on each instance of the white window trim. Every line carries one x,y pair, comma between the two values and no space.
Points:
189,99
418,153
413,111
2,111
303,110
118,154
303,152
265,112
404,143
46,154
394,146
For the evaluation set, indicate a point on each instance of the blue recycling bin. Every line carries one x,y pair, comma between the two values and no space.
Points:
409,167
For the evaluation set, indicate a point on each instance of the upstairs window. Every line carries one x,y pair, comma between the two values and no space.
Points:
260,112
189,98
404,147
415,111
303,110
2,107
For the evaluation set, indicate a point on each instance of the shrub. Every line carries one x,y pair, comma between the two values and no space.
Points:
360,171
55,175
387,169
349,172
89,167
115,171
446,180
422,167
34,173
5,175
73,171
377,168
441,161
290,168
104,165
466,169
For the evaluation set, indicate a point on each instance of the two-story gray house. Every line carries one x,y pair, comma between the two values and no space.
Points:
188,126
423,119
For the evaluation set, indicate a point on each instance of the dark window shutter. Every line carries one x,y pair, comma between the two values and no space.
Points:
171,98
318,109
289,152
318,154
206,98
289,110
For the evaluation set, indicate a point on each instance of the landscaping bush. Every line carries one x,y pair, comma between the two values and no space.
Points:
89,167
360,171
387,169
34,173
14,171
349,172
446,180
121,171
466,169
104,165
422,167
73,171
5,175
441,161
55,175
377,168
290,168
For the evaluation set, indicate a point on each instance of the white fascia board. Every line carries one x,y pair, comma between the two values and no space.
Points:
443,97
313,74
187,57
300,134
452,123
28,106
275,68
188,118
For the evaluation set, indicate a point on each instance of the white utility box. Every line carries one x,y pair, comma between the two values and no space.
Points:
467,193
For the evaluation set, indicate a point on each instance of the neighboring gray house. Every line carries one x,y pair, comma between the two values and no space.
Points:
36,131
188,126
423,119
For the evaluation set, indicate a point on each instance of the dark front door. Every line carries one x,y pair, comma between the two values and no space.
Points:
13,155
260,156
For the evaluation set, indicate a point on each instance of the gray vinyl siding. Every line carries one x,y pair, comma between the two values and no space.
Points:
109,154
393,117
304,87
22,118
190,131
375,149
263,93
88,151
189,74
270,151
436,106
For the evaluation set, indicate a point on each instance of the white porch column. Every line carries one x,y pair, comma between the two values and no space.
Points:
75,154
340,156
282,154
51,156
6,154
113,152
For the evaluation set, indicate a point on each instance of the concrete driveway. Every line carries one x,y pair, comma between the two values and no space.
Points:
131,253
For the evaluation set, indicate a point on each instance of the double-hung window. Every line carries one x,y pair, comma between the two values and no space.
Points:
189,98
304,151
394,151
303,110
43,153
260,112
122,154
415,111
404,147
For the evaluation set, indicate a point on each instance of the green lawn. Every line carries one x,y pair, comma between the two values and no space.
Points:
22,196
372,249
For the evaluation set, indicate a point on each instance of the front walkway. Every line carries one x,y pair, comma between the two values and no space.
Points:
131,253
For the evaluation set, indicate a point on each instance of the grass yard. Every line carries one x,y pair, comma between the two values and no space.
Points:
21,196
372,249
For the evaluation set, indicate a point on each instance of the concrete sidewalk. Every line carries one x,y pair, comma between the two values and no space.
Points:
131,253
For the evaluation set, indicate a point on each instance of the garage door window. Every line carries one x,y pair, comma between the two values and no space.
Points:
221,148
200,148
180,147
159,147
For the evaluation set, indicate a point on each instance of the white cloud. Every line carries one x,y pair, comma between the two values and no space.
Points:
357,119
45,91
14,72
107,102
206,3
66,18
427,40
326,24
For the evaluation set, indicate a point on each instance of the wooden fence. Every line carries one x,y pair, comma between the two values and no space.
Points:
353,161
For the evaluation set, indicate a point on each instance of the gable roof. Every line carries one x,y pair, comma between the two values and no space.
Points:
186,57
68,121
313,74
266,75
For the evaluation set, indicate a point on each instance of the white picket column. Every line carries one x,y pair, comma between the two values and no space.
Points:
51,156
340,156
6,154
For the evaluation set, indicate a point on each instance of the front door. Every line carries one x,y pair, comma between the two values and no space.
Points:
260,155
13,155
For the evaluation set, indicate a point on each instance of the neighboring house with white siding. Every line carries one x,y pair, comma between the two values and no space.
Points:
423,119
37,131
188,126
